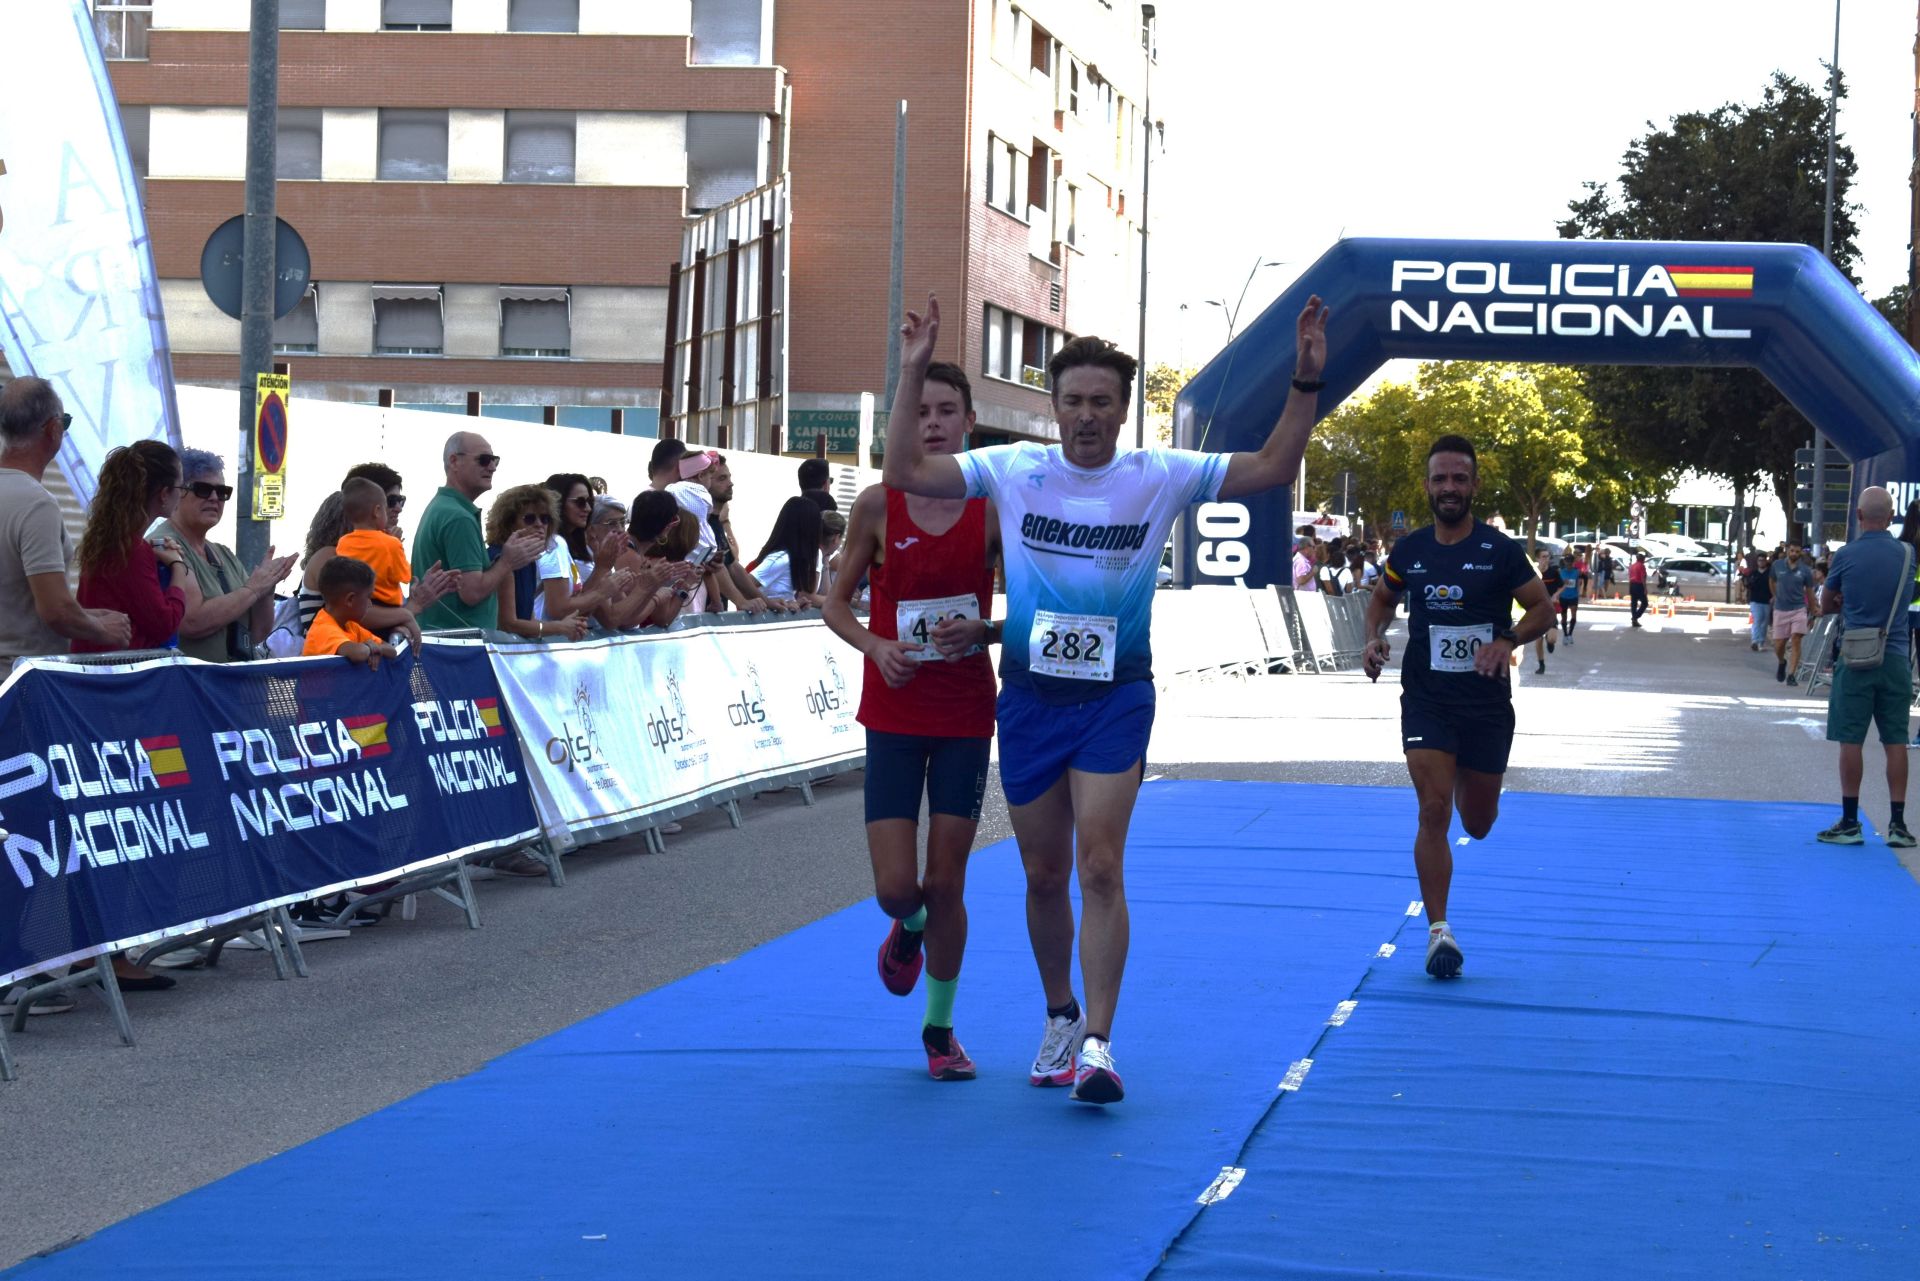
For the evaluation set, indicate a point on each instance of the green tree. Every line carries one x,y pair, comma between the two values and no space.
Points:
1377,440
1163,385
1738,173
1896,307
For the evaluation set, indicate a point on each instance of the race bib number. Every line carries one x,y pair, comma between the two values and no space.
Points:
1077,646
1453,648
915,620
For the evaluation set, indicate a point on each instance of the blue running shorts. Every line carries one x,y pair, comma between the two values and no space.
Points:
1041,741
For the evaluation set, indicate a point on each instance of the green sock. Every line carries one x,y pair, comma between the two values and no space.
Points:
917,922
940,1000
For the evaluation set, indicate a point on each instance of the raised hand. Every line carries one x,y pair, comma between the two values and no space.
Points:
269,573
918,336
523,549
1310,338
431,586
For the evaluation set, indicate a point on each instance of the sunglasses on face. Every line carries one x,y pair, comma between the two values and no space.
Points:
536,518
396,501
66,421
485,460
207,489
580,502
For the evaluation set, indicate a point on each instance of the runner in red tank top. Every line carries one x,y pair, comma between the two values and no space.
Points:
928,704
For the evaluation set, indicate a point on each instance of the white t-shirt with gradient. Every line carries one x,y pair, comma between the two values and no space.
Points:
1082,549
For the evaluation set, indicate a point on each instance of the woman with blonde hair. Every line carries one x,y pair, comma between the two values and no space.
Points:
119,568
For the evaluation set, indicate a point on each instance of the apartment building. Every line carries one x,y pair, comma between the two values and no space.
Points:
525,198
493,191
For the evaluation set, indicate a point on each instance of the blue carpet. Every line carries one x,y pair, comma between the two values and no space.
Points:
773,1116
1682,1047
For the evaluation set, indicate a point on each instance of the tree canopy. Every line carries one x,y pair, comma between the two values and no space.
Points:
1738,173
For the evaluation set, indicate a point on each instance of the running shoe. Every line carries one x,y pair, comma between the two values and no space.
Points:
1780,672
1793,678
1443,954
1055,1062
901,959
1540,669
952,1065
1095,1081
1550,643
1569,638
1845,833
1899,837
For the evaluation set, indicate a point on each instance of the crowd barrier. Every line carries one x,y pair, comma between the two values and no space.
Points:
1209,632
147,802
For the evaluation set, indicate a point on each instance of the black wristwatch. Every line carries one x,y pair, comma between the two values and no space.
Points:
1508,635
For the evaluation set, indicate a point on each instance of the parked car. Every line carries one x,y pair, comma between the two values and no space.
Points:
1691,576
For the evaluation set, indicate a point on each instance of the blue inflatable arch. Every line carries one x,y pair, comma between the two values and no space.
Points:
1781,309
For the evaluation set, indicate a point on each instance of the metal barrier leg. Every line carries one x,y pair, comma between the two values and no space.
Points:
6,1059
656,843
103,975
284,921
464,899
733,813
806,794
544,851
267,931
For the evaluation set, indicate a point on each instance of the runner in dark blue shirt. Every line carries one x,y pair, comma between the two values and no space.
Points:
1460,578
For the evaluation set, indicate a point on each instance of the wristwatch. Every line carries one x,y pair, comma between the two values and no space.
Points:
1508,635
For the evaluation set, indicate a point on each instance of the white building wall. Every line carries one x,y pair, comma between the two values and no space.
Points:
345,311
353,15
197,142
476,146
631,148
472,315
636,17
619,323
194,323
349,143
202,15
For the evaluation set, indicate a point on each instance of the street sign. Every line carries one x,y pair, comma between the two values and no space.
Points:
271,393
1399,521
221,260
841,426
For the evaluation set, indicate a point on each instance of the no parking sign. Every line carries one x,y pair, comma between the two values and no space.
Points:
271,392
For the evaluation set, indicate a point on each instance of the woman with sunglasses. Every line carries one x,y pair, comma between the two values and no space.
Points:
577,572
235,608
525,507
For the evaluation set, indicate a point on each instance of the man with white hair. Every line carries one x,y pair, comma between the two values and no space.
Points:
1869,584
450,535
38,614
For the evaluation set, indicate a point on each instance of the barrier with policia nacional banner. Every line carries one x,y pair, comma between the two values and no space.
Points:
626,732
149,800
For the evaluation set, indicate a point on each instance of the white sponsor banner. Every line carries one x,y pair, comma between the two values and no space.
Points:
79,300
626,728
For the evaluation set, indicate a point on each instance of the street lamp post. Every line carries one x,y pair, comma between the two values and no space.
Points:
1816,500
1146,180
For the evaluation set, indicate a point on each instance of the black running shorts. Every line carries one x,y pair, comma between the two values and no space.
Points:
950,772
1477,738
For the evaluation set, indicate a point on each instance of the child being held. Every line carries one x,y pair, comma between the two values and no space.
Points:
364,506
347,586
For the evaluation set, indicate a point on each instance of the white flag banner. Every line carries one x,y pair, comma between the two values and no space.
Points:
79,298
625,728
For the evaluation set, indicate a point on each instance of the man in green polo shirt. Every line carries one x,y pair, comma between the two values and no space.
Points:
449,533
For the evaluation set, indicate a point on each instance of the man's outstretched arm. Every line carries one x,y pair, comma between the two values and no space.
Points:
908,466
1278,461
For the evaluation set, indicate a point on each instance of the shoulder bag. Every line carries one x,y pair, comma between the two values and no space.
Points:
1863,648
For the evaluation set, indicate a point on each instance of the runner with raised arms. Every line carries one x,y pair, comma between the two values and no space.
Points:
1460,577
1082,524
927,704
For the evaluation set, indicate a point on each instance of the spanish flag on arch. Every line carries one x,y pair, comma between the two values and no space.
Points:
1712,282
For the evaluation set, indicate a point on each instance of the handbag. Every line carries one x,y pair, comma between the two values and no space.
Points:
1863,648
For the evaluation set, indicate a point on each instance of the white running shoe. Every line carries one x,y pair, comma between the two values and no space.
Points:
1443,954
1096,1081
1054,1064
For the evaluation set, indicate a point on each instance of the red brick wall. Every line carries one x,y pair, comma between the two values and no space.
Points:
850,63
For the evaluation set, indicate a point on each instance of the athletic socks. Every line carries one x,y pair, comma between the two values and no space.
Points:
1899,812
1436,927
1850,809
917,922
940,1001
1069,1011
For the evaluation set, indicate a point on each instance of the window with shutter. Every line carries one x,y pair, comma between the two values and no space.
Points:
303,15
544,15
297,151
299,330
723,157
726,33
413,146
416,15
531,327
408,326
540,146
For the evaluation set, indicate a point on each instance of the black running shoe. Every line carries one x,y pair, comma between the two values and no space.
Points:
1841,833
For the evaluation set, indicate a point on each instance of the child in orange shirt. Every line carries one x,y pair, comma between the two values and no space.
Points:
364,504
347,585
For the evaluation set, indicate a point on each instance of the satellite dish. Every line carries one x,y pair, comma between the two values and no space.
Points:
222,259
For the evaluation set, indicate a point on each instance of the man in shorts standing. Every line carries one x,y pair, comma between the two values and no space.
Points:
927,704
1870,582
1082,524
1460,577
1792,577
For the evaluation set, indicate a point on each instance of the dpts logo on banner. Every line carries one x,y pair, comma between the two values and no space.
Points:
138,802
704,710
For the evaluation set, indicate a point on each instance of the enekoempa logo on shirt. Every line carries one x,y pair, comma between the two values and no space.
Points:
1046,534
